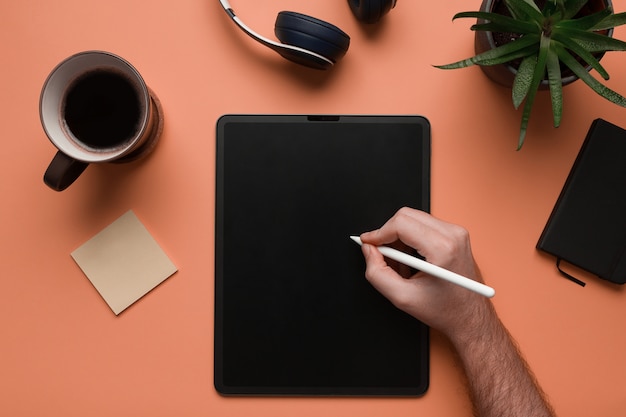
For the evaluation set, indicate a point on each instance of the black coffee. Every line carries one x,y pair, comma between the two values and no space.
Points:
102,109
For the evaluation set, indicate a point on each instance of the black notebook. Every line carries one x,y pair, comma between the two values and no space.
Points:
587,227
294,314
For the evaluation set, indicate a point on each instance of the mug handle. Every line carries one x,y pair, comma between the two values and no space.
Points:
63,171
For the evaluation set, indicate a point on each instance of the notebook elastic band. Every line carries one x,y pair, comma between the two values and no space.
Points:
568,276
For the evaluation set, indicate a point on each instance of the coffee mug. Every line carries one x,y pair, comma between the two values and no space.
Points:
95,107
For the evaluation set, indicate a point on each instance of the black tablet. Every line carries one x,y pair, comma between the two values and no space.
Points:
294,314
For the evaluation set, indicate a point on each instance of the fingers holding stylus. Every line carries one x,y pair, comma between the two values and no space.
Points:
443,244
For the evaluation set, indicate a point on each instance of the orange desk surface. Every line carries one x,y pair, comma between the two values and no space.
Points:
64,353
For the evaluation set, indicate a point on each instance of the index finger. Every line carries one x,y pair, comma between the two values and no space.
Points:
413,227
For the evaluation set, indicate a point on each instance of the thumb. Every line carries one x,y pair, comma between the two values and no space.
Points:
381,276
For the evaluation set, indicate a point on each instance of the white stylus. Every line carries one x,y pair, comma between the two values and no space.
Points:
434,270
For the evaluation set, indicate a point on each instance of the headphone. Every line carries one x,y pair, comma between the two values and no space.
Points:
309,41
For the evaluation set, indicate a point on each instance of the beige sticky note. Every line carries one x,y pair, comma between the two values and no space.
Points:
123,262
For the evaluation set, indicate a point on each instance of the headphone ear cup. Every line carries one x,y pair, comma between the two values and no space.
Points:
312,34
371,11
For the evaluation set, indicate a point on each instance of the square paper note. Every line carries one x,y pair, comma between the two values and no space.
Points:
123,262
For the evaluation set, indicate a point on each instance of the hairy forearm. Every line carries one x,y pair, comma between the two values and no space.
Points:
499,380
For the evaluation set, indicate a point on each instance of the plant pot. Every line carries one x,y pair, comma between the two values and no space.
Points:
504,74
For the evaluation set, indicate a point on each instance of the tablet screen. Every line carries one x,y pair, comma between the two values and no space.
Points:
294,314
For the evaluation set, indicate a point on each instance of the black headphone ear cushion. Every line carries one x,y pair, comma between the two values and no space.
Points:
371,11
312,34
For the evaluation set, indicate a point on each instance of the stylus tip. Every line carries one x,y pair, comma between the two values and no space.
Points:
356,239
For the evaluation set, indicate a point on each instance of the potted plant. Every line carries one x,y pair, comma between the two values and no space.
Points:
546,44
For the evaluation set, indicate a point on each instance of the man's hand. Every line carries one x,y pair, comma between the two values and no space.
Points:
447,307
500,383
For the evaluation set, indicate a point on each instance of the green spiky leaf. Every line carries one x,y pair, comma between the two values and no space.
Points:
583,53
504,53
523,80
540,70
526,8
582,73
556,85
611,21
587,22
592,42
572,7
499,27
510,24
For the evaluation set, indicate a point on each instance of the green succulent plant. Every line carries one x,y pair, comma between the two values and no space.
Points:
546,38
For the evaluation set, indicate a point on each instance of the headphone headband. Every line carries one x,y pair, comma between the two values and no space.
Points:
291,52
309,41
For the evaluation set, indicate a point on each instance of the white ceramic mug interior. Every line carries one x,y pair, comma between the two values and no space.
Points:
53,98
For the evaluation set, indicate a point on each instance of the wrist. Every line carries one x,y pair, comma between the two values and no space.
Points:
480,324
